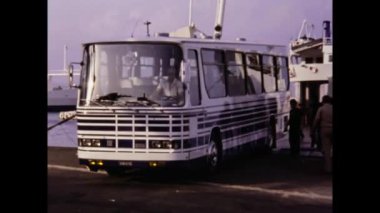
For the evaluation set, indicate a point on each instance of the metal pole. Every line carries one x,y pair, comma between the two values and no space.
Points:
303,25
190,12
219,19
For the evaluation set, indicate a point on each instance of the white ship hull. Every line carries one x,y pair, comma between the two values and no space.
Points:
64,99
310,65
61,98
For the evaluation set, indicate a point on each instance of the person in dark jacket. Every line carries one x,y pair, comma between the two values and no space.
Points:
295,128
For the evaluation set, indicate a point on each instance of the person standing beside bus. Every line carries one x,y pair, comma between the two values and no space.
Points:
295,128
323,121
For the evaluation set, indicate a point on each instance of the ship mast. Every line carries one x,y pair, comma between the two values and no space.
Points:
190,12
219,19
65,57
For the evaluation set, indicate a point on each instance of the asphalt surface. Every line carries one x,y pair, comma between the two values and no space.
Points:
249,183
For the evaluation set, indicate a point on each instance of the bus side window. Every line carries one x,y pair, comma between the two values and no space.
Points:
254,83
195,93
235,73
213,71
269,74
282,74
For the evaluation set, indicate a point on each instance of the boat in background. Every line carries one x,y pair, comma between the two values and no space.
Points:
310,63
60,98
310,66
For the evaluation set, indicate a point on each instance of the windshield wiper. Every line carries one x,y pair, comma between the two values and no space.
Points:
113,96
144,98
95,102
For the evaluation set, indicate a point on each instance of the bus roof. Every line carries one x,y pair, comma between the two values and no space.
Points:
180,40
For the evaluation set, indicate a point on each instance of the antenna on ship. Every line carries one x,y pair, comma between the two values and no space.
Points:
308,28
147,23
133,29
65,57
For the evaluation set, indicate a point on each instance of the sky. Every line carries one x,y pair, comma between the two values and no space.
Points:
73,22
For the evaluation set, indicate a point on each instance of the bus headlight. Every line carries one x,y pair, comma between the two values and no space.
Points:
176,144
89,142
159,144
156,144
96,142
167,144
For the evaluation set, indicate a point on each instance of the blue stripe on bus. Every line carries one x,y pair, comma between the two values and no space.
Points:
125,143
125,128
140,129
98,128
158,129
124,121
176,129
159,122
95,121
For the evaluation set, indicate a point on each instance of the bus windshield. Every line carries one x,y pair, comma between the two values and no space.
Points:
120,74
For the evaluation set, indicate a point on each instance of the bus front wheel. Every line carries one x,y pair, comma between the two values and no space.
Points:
214,155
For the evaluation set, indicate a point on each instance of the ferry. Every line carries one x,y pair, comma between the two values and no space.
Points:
310,66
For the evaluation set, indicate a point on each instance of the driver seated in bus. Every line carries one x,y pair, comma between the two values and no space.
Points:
170,89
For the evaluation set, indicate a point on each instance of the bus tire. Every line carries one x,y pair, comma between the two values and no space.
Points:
214,154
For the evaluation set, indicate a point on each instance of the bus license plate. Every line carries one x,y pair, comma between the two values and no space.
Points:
125,163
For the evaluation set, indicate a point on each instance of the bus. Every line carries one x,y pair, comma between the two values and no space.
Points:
235,95
228,96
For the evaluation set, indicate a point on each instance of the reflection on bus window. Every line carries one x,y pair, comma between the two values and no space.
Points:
235,73
254,83
213,68
269,74
195,97
282,77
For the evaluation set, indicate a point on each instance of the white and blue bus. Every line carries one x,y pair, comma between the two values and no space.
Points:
235,95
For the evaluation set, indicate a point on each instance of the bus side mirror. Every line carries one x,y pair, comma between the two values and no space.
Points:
71,75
